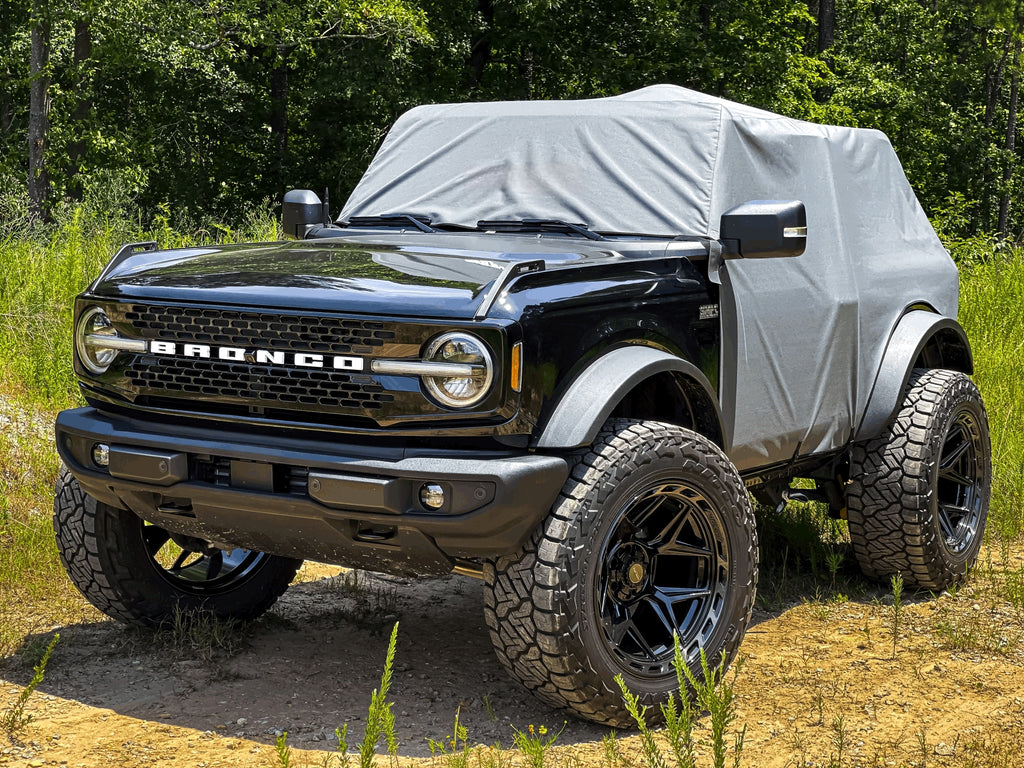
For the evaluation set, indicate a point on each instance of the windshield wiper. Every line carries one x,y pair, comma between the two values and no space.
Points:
538,225
422,223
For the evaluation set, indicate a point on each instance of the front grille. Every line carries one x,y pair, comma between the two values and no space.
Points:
264,385
191,372
270,390
235,328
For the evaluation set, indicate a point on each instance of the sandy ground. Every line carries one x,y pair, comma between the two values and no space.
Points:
818,684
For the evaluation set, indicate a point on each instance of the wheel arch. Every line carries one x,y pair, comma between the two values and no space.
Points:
921,339
635,382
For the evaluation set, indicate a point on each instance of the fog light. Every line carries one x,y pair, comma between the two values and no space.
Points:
101,455
432,496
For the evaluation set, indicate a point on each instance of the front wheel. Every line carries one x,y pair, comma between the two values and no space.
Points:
918,494
141,574
653,536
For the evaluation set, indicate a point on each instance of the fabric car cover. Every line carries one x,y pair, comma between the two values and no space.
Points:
802,338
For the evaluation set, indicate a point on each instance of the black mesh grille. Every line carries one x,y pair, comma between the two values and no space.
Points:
299,333
195,382
260,384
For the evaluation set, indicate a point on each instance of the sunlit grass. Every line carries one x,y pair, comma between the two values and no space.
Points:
36,591
42,271
991,302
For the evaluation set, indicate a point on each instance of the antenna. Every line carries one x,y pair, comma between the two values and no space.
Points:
327,206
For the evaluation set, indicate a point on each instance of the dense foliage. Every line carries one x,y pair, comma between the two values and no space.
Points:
214,106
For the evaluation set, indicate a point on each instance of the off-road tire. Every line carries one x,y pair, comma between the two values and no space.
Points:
899,498
103,550
543,604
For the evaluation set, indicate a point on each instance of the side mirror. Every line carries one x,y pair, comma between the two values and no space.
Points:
764,229
301,211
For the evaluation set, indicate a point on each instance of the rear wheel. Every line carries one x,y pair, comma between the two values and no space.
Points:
918,495
141,574
653,536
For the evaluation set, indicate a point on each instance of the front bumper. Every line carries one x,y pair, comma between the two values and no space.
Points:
313,498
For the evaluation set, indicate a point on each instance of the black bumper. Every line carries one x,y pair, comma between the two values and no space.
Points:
314,498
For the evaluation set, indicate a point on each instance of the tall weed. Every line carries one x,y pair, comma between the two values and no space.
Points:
13,719
713,694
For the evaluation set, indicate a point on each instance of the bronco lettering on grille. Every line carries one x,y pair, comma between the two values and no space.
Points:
257,356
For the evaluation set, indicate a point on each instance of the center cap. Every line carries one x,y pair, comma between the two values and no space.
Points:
635,574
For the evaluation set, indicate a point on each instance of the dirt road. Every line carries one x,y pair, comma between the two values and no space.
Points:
818,683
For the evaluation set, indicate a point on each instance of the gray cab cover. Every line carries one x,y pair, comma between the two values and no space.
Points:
802,338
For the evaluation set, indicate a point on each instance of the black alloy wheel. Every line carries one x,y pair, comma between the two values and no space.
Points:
959,491
197,567
665,573
652,536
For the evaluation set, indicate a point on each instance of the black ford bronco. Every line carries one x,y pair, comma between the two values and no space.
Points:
554,345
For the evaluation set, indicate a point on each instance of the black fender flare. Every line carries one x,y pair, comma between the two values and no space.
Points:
914,331
589,400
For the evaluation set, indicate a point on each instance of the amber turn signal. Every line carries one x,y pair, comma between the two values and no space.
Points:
516,373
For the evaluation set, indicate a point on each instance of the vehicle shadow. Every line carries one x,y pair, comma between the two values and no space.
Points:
309,666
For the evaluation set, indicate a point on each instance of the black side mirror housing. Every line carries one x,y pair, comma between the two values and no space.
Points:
302,210
764,229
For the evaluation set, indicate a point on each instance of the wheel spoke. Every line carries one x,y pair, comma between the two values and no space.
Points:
639,639
653,504
670,533
672,595
609,559
944,522
677,549
950,460
663,610
949,472
956,431
616,630
214,564
955,477
154,538
619,623
946,517
180,560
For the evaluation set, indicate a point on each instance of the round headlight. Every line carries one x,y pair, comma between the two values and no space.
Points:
460,391
94,322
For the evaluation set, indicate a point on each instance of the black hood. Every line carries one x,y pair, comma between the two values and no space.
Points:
414,278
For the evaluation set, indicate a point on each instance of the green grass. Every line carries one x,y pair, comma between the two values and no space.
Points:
41,272
991,301
36,591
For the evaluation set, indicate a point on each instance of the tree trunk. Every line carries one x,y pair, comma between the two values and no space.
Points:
1011,140
78,147
480,52
279,119
826,39
526,70
826,25
6,116
39,111
993,86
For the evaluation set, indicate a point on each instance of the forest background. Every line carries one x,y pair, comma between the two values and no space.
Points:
203,110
